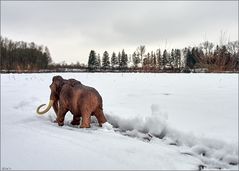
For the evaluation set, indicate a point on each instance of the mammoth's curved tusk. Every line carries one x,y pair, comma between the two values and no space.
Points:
46,110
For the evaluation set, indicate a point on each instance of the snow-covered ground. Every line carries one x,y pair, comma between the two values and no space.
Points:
160,121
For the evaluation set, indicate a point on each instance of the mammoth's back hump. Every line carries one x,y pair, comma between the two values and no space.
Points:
85,96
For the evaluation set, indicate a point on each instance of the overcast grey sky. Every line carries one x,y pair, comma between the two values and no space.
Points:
72,29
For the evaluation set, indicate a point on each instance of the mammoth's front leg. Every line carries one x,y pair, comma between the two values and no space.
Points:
55,107
61,115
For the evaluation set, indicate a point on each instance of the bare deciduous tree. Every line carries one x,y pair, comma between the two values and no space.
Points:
141,50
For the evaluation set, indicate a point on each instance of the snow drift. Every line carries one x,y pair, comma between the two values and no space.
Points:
153,123
214,154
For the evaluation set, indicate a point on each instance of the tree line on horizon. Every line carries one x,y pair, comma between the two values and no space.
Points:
20,55
205,56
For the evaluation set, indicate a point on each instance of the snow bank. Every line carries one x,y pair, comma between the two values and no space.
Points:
155,124
214,154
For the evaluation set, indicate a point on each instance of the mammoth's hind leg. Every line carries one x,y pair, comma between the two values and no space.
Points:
76,120
100,116
85,120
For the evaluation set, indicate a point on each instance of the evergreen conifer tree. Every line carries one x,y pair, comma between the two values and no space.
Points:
158,57
92,61
98,61
114,60
164,58
105,60
177,58
119,58
172,58
124,60
190,61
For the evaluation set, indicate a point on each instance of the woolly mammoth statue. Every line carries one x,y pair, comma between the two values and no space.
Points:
71,95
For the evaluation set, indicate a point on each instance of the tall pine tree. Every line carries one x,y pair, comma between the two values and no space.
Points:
98,61
164,58
114,60
158,57
172,58
92,61
177,58
105,60
119,59
124,60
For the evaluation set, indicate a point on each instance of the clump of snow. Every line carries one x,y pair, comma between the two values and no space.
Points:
107,126
201,150
231,159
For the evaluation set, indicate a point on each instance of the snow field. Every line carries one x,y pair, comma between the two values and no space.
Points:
171,121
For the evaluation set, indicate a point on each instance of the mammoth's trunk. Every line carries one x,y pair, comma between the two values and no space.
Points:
47,109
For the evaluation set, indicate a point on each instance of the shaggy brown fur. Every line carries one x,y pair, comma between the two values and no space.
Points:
82,101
